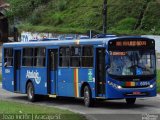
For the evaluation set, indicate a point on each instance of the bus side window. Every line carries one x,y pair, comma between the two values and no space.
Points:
64,56
87,56
75,56
8,57
28,57
40,55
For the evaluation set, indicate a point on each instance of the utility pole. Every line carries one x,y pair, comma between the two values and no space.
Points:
105,17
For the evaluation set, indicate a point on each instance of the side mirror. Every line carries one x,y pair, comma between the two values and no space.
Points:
5,64
107,67
107,59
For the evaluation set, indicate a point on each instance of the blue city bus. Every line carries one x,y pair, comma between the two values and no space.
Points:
100,68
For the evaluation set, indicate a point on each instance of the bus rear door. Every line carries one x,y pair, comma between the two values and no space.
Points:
17,66
52,64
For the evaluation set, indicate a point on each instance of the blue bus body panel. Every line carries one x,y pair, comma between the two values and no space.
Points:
8,78
69,82
69,42
65,82
88,76
56,43
38,78
53,77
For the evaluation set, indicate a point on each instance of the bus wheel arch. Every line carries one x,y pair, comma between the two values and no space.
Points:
27,84
82,88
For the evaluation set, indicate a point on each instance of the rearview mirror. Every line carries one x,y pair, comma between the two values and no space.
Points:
5,64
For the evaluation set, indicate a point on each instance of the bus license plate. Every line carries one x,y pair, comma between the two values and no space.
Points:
136,93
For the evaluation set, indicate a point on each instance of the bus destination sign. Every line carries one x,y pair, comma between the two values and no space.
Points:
131,43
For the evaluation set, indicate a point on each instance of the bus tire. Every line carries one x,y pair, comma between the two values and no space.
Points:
130,101
30,92
88,101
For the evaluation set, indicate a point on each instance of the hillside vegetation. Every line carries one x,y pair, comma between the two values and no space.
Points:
79,16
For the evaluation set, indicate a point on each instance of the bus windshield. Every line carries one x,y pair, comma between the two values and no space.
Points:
135,63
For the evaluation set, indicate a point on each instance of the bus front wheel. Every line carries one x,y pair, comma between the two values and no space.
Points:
88,101
30,92
130,101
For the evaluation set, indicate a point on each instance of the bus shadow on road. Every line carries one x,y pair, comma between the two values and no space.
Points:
108,104
116,104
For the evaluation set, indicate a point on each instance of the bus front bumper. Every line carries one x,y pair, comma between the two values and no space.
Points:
115,91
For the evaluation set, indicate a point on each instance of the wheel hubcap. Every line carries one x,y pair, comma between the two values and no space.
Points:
30,92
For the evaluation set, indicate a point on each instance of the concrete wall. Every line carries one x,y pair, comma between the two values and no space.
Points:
27,36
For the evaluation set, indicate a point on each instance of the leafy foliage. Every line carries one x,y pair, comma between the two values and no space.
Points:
123,15
61,5
126,24
158,81
23,8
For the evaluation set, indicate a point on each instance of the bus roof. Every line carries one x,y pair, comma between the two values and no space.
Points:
95,41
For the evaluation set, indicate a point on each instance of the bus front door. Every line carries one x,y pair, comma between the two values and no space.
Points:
17,66
52,71
100,72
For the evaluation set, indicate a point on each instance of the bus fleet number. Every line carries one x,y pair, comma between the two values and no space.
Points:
144,83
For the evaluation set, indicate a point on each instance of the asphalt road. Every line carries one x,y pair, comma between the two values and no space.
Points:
103,110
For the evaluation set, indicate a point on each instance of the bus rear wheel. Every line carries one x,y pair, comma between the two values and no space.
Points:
88,101
30,92
130,101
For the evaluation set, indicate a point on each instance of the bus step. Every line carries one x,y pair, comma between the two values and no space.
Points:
16,91
100,97
53,96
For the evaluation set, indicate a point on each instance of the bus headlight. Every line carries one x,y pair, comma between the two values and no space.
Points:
151,86
119,87
114,85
